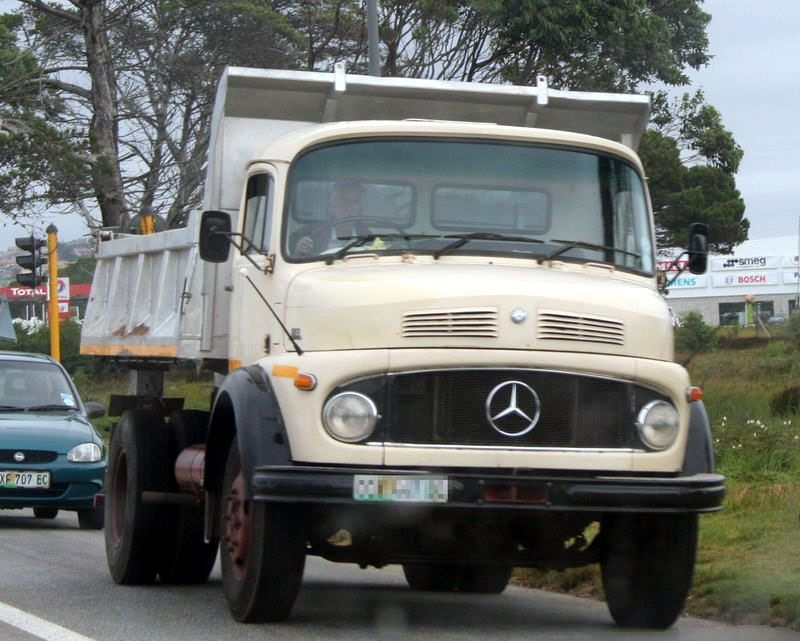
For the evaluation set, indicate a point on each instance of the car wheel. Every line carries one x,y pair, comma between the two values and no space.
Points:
45,512
134,531
484,579
262,551
433,577
187,557
647,567
91,518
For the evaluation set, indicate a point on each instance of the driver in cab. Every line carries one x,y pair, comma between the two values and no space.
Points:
345,206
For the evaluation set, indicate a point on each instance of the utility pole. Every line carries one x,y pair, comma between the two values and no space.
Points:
372,38
52,313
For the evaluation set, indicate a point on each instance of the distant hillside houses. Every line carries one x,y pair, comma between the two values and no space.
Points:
68,252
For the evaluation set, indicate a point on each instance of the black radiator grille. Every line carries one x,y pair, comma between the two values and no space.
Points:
449,408
31,456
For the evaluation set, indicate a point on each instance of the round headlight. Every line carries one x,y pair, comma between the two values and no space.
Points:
349,416
658,424
85,453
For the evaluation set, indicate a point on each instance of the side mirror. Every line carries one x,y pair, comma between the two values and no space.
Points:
698,248
215,229
94,409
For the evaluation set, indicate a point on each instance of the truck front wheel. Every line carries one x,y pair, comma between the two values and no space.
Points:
262,551
647,567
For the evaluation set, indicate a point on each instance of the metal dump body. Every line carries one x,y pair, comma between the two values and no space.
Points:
153,298
148,299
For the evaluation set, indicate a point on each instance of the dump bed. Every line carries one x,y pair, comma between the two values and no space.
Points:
153,298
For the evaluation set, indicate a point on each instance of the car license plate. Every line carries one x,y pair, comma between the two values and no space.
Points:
408,489
25,480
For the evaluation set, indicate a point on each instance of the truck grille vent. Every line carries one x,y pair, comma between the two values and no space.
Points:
477,323
563,326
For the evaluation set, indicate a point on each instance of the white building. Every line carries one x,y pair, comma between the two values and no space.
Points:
764,270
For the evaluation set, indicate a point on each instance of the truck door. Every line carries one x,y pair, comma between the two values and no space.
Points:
250,320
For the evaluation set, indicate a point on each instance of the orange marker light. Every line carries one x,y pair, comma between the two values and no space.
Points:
694,394
305,382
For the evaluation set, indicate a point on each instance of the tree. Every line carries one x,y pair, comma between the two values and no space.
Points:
690,160
137,79
39,163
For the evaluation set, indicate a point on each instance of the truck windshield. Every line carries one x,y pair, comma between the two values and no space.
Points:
423,195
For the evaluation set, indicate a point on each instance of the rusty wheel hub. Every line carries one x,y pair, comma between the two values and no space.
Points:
238,527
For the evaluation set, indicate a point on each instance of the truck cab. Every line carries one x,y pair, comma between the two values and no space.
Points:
440,343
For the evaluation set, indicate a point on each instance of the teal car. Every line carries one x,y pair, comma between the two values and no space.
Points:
51,457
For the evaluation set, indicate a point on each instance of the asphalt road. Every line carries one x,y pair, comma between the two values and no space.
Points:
54,585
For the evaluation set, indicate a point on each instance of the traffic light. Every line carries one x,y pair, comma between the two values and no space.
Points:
33,260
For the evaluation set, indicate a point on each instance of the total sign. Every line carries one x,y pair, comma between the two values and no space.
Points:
62,287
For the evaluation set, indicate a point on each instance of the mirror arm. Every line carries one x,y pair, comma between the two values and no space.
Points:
681,268
242,248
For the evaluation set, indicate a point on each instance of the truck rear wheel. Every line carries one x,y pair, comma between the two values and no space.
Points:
433,577
262,551
647,567
134,531
484,579
188,559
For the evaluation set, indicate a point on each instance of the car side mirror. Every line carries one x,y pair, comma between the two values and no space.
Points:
94,409
698,248
215,229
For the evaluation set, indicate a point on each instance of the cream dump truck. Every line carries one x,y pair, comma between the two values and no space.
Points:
433,312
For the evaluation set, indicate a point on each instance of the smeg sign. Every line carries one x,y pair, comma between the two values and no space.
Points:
738,263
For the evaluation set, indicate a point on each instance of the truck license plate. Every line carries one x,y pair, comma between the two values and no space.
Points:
409,489
25,480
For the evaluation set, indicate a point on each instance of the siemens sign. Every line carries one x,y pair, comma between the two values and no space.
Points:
687,280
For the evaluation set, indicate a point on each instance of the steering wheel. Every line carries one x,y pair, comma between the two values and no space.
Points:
368,221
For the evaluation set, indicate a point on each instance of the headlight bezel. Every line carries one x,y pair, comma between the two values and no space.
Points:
371,415
644,429
85,453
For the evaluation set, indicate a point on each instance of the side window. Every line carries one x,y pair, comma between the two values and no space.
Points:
258,213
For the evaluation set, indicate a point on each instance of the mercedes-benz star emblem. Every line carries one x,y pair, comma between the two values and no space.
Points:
19,456
512,408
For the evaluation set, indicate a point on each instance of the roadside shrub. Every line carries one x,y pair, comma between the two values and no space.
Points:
694,335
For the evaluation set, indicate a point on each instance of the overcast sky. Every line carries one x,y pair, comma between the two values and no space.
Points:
753,79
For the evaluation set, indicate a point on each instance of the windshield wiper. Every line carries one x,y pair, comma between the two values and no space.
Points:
463,239
579,244
11,408
363,239
50,408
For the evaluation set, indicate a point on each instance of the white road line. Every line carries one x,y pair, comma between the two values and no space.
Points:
36,626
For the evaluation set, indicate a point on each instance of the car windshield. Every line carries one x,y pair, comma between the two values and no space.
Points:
34,386
461,196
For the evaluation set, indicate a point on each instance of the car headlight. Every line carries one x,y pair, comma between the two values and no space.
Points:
85,453
349,416
658,423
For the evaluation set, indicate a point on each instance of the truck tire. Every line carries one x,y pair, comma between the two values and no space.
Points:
262,551
45,512
433,577
91,518
647,567
134,532
188,559
484,579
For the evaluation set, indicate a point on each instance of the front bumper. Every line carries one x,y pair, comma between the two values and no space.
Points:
505,489
72,487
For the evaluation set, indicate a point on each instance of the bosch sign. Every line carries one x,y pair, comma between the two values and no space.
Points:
732,280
